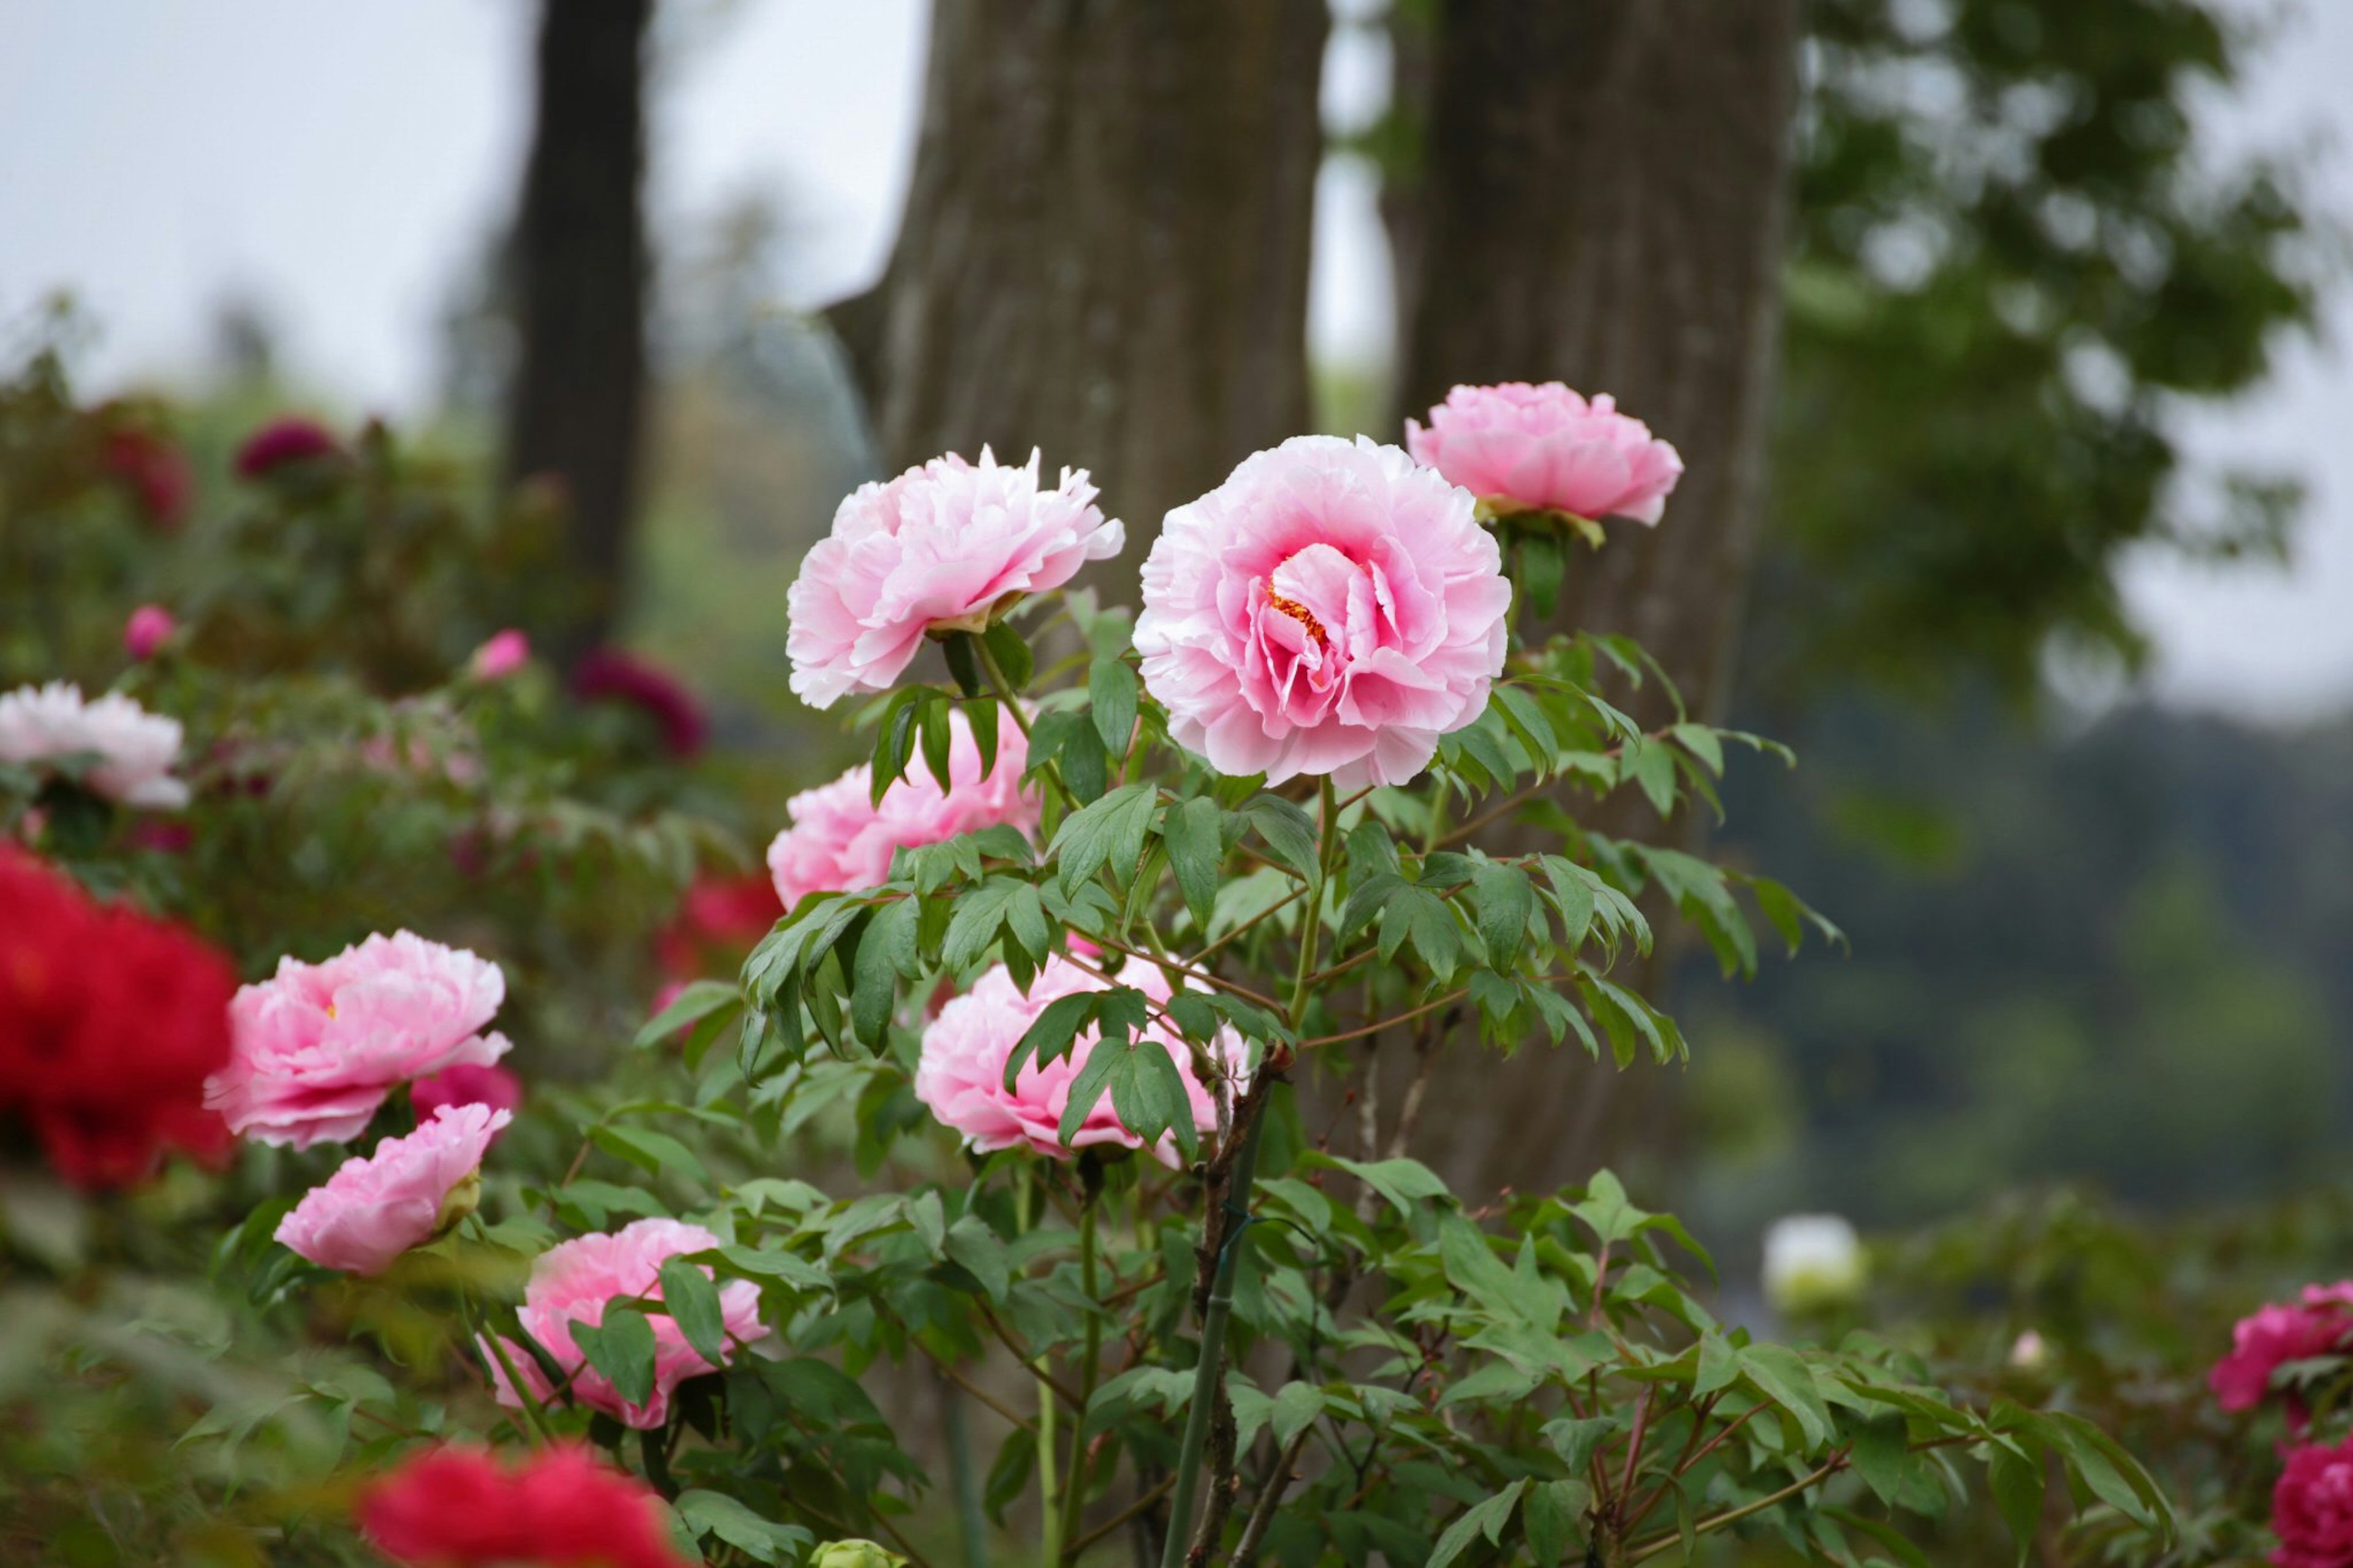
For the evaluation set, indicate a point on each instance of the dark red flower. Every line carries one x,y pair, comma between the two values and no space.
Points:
109,1021
608,674
154,471
717,922
2311,1508
288,439
459,1508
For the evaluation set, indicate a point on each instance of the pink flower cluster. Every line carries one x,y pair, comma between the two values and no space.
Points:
1332,608
2319,1323
320,1046
839,841
961,1073
572,1282
1543,448
940,548
460,1508
410,1191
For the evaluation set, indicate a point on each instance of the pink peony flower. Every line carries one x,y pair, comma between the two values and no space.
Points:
1331,608
318,1046
961,1072
609,675
2311,1508
572,1282
505,653
1543,448
135,749
289,438
452,1507
839,842
465,1085
403,1195
940,548
2321,1321
149,627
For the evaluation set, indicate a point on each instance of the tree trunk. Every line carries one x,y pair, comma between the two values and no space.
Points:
1600,201
580,276
1104,251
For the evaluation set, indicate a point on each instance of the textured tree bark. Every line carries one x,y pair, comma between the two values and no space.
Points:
1106,246
1600,201
580,277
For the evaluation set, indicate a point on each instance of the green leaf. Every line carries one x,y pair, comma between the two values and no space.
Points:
650,1151
1296,1406
1289,833
718,1515
938,739
1011,654
1486,1519
1506,900
622,1347
980,914
2017,1486
983,715
1776,1372
1543,563
975,1248
1549,1514
1653,767
1474,1269
1882,1531
1049,1035
963,654
1879,1453
693,1304
700,1000
1110,696
1109,831
1194,834
1719,1365
1700,743
886,952
1403,1181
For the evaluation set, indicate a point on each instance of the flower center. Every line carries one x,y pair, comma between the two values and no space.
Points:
1298,612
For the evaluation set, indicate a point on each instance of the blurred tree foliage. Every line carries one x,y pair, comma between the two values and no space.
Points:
2016,252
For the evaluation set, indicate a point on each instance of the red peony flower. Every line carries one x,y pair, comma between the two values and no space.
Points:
717,923
288,439
2311,1508
110,1020
608,674
154,471
459,1508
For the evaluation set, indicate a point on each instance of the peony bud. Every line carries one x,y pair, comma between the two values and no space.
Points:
149,627
500,657
1812,1261
854,1555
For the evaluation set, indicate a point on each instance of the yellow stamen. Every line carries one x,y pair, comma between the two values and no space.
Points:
1298,612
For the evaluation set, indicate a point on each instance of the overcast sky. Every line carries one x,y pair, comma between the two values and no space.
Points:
338,161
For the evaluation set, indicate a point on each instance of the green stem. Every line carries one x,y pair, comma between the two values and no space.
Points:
1074,1479
1213,1347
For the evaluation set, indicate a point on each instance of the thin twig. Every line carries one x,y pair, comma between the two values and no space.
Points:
1261,1513
1122,1517
1674,1538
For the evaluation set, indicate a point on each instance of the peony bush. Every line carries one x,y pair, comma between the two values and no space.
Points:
974,1217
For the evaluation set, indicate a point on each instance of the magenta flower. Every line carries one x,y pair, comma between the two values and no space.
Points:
1331,608
291,439
961,1073
608,674
572,1282
505,653
2311,1508
940,548
408,1192
2318,1325
466,1084
318,1046
1543,448
149,627
839,842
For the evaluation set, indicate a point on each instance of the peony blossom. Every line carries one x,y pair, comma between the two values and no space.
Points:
109,1021
410,1191
2311,1508
961,1073
608,674
134,749
2319,1322
572,1282
154,471
1331,608
465,1085
453,1507
839,841
320,1046
500,657
1812,1261
148,629
289,438
1543,448
941,548
717,923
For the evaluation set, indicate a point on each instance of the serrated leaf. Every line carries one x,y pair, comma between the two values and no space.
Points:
1050,1035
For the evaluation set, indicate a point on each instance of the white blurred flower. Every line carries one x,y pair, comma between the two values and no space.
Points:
135,749
1812,1261
2030,1353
